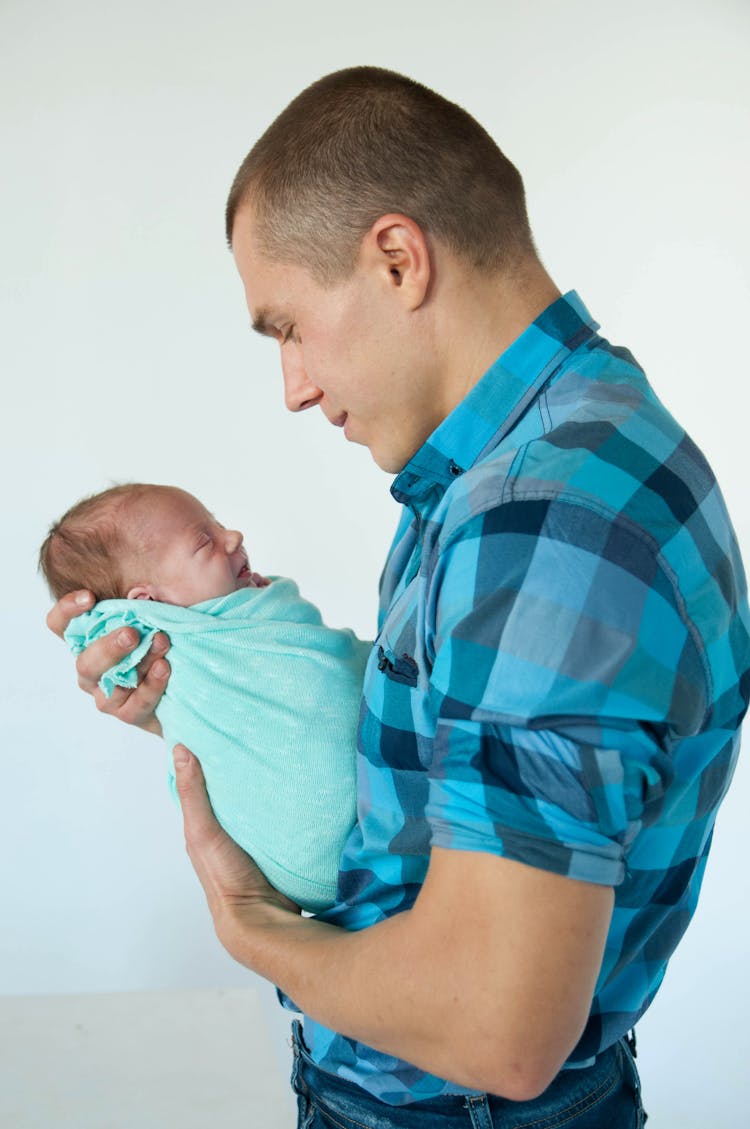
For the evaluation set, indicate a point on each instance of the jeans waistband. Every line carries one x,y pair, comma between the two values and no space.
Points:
574,1090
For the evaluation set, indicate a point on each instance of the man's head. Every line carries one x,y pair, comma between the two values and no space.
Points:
383,242
145,542
365,142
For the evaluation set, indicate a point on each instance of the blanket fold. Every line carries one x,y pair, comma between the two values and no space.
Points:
267,697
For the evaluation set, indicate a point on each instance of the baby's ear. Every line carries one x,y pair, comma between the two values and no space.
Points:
140,592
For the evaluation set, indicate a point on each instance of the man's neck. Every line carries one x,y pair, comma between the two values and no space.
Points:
481,315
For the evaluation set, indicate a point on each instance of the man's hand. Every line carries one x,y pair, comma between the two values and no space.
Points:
135,707
236,890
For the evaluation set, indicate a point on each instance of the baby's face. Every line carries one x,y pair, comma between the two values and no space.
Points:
189,556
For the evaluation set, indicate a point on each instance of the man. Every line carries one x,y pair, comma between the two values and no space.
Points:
551,711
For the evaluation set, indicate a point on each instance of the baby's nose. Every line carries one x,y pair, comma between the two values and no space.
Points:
233,540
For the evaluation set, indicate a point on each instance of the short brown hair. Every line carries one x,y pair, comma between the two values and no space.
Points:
87,547
363,142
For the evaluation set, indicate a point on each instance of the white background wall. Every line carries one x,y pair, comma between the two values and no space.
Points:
125,353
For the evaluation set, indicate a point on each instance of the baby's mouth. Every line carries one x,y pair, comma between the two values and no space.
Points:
251,579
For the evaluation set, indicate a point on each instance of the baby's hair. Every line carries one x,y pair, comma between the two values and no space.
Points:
87,547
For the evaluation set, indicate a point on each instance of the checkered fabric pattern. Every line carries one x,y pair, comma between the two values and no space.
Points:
561,667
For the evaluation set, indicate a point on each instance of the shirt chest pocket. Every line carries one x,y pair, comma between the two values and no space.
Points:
401,668
399,680
400,689
398,655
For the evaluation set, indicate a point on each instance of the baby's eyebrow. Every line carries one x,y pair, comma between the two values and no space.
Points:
201,529
197,530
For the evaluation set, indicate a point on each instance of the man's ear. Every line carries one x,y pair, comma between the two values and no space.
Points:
398,249
141,592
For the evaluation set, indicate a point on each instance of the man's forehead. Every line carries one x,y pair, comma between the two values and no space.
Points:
243,228
261,280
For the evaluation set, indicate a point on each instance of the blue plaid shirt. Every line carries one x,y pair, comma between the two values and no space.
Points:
561,666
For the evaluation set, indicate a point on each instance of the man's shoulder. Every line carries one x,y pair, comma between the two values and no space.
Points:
598,441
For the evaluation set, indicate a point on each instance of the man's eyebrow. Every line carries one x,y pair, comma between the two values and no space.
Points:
263,323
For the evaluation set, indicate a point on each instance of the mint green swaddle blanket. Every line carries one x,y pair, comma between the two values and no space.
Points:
267,697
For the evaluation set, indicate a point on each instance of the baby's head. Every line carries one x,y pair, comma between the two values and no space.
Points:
145,542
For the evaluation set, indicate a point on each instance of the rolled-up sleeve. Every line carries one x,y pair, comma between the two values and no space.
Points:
564,670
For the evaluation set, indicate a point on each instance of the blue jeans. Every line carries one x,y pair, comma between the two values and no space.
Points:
606,1095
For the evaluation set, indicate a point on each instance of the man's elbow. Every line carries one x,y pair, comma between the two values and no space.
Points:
517,1068
517,1080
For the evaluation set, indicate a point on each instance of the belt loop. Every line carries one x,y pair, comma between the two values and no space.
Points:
479,1111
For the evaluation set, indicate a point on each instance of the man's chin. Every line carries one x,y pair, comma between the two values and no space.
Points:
389,461
385,457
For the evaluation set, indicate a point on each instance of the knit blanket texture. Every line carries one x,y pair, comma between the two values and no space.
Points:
267,697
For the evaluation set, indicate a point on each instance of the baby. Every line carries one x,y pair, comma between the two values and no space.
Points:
260,689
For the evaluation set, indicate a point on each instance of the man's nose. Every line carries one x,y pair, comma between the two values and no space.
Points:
300,392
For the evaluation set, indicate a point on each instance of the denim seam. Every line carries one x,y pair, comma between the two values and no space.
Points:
630,1059
325,1112
635,1080
582,1106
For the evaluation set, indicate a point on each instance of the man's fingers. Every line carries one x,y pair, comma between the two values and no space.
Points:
67,608
157,650
228,875
136,707
200,821
140,706
109,650
104,653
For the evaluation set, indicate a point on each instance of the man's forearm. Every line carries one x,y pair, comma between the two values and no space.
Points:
481,999
487,981
368,985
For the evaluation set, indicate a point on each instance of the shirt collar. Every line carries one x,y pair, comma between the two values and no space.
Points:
498,400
